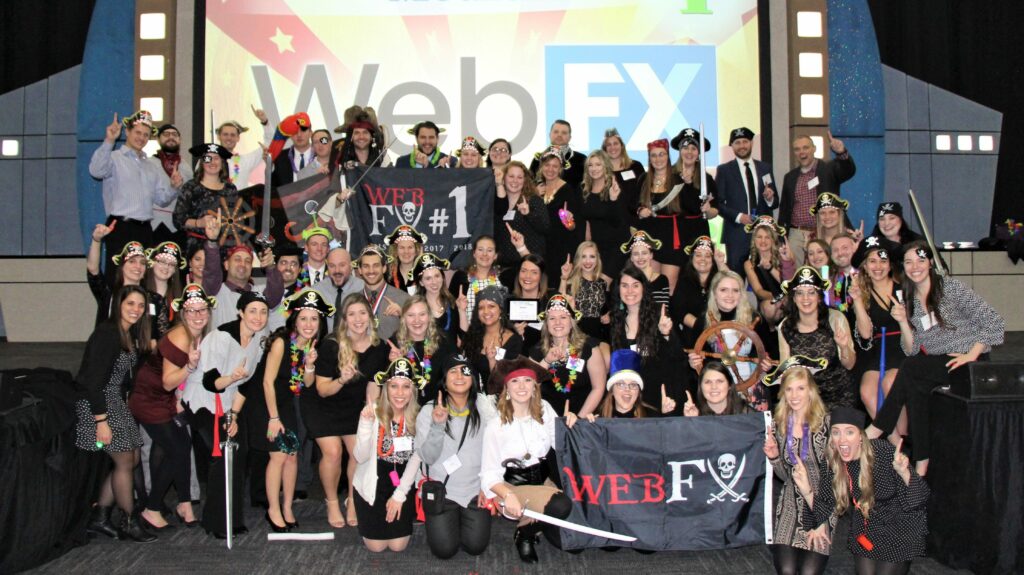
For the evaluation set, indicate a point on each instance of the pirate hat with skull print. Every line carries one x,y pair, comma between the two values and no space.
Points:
401,367
813,365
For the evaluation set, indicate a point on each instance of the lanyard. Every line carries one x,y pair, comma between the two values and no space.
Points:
376,302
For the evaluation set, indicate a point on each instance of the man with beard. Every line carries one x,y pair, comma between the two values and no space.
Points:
340,280
168,158
289,262
385,300
235,277
560,136
425,154
746,189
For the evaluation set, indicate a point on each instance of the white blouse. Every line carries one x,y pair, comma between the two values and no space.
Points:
524,436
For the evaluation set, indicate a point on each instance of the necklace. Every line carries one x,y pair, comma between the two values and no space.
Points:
236,168
463,413
414,357
295,382
790,455
431,160
381,435
572,360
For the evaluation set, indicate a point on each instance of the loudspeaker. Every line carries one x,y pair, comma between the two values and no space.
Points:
994,380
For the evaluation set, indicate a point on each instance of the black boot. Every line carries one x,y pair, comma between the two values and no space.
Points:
99,523
130,529
526,540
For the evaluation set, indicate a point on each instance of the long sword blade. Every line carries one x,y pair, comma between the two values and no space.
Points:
577,527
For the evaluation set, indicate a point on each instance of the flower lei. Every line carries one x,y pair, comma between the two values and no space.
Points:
236,168
573,356
303,279
382,433
295,383
411,355
841,303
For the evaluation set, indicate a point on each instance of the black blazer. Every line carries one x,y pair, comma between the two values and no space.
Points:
830,176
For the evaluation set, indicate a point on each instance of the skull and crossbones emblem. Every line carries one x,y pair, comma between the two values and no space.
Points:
727,471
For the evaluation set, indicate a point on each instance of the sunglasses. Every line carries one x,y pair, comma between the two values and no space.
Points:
304,128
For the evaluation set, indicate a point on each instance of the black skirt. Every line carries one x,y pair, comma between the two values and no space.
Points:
372,518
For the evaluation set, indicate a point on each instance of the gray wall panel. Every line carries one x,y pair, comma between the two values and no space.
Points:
952,112
10,207
63,101
960,218
897,142
63,236
33,198
895,83
917,104
921,183
33,147
35,108
897,178
61,146
11,112
920,142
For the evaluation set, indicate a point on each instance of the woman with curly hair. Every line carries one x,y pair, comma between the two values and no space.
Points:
419,341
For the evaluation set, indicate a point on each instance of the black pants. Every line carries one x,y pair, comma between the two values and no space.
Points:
173,466
455,527
918,376
789,560
124,232
214,511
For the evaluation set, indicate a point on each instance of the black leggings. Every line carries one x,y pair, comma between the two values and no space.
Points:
174,467
867,566
789,560
456,526
918,376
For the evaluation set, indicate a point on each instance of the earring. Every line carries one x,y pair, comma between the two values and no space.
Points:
507,396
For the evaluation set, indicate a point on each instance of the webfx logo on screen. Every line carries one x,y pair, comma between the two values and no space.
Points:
646,92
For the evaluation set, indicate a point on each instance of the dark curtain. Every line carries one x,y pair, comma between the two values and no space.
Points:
38,39
46,483
971,48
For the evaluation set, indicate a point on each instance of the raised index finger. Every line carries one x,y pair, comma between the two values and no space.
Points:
689,398
567,408
899,447
440,398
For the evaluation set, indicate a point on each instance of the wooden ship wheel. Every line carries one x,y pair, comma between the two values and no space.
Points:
236,222
730,355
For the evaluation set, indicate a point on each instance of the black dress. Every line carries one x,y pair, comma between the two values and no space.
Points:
834,382
429,367
689,298
898,522
102,379
609,228
664,368
255,408
513,349
577,389
561,241
372,524
534,227
870,355
338,414
659,291
592,302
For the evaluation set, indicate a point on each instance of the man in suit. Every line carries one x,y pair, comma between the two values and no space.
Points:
746,189
802,184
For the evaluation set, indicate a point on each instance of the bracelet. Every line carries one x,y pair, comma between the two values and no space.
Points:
275,419
191,369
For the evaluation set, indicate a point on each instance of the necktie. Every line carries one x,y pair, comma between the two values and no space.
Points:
317,280
302,160
751,188
337,300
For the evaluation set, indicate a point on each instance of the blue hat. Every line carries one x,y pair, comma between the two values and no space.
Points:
625,367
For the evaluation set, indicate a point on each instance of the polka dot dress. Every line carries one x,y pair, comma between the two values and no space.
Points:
124,429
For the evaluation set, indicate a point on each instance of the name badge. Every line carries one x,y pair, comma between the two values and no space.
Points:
499,353
411,289
634,348
509,215
627,175
152,309
766,179
929,321
537,325
403,443
813,183
576,364
452,464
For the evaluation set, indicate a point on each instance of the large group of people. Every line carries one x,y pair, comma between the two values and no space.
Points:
429,378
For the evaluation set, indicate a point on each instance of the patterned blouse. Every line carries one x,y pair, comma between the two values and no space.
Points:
968,318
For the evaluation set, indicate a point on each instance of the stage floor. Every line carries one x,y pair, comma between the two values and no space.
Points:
191,551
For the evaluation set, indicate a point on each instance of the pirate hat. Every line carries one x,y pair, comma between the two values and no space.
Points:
141,117
401,367
426,262
625,367
373,249
454,360
193,293
890,208
806,276
828,200
405,232
493,293
308,299
560,301
886,249
739,133
814,365
204,150
765,222
241,129
169,252
848,416
249,297
469,142
690,136
506,369
130,250
701,243
641,237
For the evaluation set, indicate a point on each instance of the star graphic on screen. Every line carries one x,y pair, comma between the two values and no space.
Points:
283,41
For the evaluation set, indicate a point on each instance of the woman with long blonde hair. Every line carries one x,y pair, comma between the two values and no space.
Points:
800,437
588,286
606,209
345,361
873,484
419,340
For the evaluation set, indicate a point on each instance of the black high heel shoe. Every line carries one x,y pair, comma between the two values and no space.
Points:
275,527
187,524
150,527
291,524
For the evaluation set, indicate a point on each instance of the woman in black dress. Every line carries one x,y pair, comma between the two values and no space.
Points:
642,250
345,361
566,226
811,329
386,459
605,210
698,205
585,281
419,341
521,222
287,369
104,422
770,263
639,324
132,264
491,336
690,300
404,245
428,272
873,291
573,360
873,484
